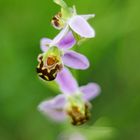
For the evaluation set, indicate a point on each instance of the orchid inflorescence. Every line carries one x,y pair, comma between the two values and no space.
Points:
57,55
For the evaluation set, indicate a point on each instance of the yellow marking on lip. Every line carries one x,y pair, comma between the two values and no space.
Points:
54,74
47,77
40,74
49,70
38,66
43,68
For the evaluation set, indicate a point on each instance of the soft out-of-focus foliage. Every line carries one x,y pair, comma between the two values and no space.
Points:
114,57
99,131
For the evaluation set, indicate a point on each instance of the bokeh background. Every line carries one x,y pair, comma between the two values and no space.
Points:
114,55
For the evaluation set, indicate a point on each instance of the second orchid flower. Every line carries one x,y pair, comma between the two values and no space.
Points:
56,55
73,102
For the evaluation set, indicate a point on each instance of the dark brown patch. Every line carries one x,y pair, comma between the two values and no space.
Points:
56,20
46,73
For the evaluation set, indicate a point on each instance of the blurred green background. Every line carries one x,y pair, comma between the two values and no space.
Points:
114,55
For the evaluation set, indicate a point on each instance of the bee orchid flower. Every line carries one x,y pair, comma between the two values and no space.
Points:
56,54
68,19
74,102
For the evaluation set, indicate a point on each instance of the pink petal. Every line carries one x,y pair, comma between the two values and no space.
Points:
75,60
68,41
60,36
90,91
66,81
87,17
44,43
79,25
54,108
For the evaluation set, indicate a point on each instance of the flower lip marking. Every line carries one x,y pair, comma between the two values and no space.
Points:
79,118
49,72
51,60
57,21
